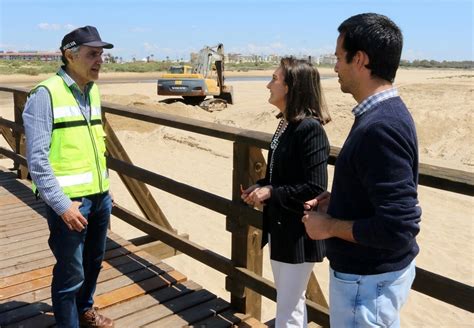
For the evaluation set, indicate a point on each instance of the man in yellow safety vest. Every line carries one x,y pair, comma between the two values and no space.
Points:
66,158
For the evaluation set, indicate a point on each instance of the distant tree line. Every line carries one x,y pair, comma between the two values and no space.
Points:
38,67
465,64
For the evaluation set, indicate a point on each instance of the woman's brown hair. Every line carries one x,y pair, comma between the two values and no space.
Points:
305,97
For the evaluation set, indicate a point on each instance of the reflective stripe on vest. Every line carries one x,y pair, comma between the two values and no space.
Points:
77,151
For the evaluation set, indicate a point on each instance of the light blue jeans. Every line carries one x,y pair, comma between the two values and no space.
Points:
369,300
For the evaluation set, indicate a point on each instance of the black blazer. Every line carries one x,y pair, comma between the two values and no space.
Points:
299,174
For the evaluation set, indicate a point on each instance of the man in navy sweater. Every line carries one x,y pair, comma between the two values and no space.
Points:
371,217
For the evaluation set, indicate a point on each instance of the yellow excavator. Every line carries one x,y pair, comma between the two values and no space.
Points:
195,83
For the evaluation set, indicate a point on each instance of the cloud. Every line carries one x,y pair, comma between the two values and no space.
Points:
55,27
49,27
69,27
278,48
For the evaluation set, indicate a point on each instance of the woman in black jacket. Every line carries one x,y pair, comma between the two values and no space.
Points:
296,173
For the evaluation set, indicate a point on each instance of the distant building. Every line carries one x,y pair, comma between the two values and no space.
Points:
30,55
328,59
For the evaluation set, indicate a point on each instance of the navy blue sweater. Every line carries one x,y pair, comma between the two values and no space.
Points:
375,185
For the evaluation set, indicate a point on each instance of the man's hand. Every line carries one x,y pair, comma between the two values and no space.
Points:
321,226
73,218
321,202
317,225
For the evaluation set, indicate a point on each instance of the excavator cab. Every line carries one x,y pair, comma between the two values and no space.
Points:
180,69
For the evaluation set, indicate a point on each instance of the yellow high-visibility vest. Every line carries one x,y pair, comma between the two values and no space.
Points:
77,152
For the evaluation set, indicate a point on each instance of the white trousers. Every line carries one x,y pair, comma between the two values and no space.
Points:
291,281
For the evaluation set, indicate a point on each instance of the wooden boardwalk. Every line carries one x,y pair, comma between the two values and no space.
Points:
134,288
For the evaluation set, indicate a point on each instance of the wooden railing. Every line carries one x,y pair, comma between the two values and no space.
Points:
243,269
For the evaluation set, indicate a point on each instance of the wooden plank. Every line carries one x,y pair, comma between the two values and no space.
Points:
192,315
108,273
28,258
23,211
43,320
227,318
141,318
34,309
138,289
41,263
43,230
252,323
41,278
150,299
123,280
27,221
27,229
24,267
19,100
25,243
160,249
7,134
314,291
25,277
444,289
25,312
244,237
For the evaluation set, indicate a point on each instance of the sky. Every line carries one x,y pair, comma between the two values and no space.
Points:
433,29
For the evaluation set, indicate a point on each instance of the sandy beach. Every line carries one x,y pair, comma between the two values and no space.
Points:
441,102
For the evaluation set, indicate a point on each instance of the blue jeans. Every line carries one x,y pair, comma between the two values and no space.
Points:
79,258
369,300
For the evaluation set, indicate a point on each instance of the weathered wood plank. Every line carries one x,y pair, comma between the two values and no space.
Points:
27,229
43,320
224,319
25,243
445,289
150,299
138,289
14,225
28,258
141,318
43,230
192,315
34,309
111,245
252,323
41,278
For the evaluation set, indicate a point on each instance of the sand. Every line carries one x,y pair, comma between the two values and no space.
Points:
440,101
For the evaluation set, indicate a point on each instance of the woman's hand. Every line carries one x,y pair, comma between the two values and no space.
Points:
256,195
320,203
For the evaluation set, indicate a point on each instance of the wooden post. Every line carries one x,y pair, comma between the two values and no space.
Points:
314,292
139,191
19,100
246,250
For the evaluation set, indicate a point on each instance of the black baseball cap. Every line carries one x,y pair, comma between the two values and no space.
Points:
87,35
